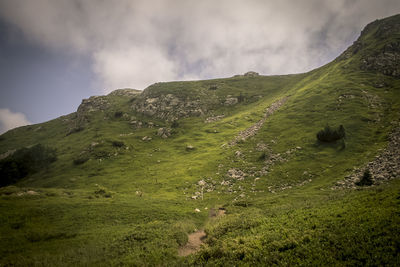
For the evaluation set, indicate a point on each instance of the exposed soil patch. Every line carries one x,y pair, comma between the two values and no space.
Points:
197,238
194,243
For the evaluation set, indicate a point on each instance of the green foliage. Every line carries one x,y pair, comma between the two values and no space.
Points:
263,156
102,192
330,135
118,143
366,179
118,114
175,124
25,161
80,160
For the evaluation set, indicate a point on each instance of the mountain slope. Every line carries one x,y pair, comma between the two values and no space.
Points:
138,171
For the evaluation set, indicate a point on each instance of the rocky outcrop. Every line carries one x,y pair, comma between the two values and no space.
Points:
386,61
89,105
168,106
230,101
164,132
125,92
384,58
384,167
251,74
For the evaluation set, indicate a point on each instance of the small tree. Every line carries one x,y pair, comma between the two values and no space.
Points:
366,179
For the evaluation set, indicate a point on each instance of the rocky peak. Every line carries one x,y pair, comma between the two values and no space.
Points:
378,47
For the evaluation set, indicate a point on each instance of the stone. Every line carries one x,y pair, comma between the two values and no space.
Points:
251,74
229,101
189,147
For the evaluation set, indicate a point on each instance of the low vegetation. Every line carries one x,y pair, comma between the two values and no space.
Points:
330,135
25,161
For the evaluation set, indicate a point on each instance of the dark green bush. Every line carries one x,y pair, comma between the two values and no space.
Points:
175,124
80,160
118,114
117,143
241,98
366,179
25,161
329,135
263,156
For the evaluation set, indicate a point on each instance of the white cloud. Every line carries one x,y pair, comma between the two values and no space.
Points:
134,43
10,120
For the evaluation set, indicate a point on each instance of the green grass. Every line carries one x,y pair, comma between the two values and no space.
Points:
130,202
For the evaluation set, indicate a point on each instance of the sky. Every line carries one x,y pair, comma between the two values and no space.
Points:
54,53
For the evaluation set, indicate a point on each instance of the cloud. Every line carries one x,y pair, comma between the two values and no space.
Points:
136,43
10,120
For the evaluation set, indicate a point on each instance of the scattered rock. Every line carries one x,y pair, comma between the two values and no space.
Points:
252,130
189,147
164,132
236,174
384,167
229,101
8,153
146,138
214,118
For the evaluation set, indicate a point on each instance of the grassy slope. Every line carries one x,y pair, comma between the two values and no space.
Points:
69,223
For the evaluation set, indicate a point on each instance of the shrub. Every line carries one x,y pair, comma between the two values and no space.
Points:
241,98
329,135
102,192
25,161
263,156
213,87
80,160
117,143
175,124
366,179
118,114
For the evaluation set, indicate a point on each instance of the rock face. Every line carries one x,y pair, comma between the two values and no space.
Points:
91,104
168,106
384,58
251,74
386,61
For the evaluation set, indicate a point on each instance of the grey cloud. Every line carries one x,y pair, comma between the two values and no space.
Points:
10,120
136,43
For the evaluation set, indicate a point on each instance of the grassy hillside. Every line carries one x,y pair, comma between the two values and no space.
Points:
132,168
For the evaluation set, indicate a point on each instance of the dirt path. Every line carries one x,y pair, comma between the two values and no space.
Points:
196,239
252,130
194,243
